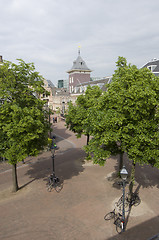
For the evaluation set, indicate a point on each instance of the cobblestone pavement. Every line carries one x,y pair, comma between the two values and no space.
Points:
77,212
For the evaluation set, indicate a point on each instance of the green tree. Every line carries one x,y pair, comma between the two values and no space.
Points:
23,120
77,117
127,117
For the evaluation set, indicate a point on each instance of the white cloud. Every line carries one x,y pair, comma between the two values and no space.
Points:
48,32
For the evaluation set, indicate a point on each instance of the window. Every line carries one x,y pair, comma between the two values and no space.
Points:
149,68
152,67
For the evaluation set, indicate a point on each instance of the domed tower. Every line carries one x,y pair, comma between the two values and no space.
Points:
79,73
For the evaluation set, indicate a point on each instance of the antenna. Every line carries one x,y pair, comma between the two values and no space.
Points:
79,50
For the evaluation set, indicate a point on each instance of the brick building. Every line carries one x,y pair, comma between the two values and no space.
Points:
79,73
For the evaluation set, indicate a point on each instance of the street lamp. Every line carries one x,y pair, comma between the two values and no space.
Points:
53,147
49,119
63,108
47,108
123,174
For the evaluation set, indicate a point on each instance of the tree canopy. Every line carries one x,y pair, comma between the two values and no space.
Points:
126,118
77,117
23,119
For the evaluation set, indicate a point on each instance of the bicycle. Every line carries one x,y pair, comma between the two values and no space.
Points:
130,200
54,183
133,199
119,224
118,221
119,204
111,215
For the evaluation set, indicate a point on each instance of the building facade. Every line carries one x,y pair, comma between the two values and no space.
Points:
49,86
63,83
153,66
79,73
79,79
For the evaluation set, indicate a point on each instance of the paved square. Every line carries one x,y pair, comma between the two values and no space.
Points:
77,212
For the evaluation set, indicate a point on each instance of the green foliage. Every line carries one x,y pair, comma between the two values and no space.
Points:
49,142
126,117
78,115
58,110
23,122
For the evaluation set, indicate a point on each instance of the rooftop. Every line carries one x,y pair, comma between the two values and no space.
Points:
153,65
79,64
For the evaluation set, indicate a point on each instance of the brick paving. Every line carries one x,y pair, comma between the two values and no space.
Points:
77,212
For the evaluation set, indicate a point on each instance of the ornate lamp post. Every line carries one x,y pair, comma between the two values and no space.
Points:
47,108
53,147
54,182
123,174
63,108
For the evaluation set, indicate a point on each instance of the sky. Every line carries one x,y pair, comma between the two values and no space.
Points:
49,33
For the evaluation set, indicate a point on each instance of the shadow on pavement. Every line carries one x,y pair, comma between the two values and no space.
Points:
143,231
23,186
67,165
146,175
61,132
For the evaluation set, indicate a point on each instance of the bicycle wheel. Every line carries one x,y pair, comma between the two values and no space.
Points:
58,187
120,206
126,206
119,225
137,201
58,184
50,179
119,202
109,215
49,187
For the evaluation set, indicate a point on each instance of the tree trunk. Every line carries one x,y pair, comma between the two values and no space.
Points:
132,179
14,178
87,139
88,154
121,161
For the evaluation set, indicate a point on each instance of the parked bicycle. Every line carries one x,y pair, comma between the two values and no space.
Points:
118,221
132,199
119,205
54,183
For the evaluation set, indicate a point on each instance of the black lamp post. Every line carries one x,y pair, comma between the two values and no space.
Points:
123,174
63,108
53,157
53,147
